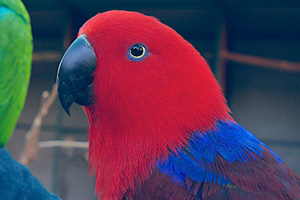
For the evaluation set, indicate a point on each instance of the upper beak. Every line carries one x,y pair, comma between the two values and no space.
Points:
74,75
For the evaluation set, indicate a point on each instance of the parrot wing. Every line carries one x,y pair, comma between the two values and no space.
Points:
226,163
15,64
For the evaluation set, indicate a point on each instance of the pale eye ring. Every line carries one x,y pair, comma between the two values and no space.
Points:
137,52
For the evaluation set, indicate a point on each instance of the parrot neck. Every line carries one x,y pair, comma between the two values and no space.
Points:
123,156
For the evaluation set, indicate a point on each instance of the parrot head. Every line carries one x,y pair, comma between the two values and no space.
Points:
144,89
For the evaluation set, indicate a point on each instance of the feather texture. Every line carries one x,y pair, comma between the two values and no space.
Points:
229,161
15,65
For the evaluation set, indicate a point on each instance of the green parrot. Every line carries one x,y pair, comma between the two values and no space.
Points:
15,64
16,180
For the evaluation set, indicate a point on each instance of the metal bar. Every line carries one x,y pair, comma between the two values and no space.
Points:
56,173
64,144
221,45
260,61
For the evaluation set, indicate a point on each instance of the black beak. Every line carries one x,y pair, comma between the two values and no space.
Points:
74,75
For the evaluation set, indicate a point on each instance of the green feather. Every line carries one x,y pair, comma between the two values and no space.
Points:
15,64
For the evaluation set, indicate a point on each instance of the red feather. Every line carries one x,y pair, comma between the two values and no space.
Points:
260,179
263,178
159,186
142,110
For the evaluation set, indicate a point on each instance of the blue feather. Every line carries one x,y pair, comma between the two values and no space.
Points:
227,140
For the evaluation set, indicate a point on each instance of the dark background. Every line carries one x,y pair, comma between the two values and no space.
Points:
266,101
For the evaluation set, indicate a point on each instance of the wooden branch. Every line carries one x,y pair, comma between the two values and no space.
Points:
260,61
31,149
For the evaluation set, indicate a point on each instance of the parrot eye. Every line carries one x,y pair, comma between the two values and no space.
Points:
137,52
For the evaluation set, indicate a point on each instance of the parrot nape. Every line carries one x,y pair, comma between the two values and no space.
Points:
159,125
16,180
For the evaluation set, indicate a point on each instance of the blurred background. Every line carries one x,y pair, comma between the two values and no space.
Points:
239,38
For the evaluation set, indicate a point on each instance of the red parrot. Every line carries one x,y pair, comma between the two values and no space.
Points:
159,125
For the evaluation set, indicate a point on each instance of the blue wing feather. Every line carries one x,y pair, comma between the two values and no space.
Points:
230,160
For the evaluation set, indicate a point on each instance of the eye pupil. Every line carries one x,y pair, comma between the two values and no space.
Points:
137,50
